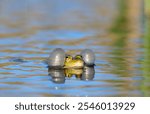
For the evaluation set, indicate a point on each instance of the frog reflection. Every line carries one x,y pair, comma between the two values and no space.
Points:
59,75
73,72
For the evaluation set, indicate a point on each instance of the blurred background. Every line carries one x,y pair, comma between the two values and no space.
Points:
116,30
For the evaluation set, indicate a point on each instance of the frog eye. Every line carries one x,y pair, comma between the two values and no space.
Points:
68,56
78,56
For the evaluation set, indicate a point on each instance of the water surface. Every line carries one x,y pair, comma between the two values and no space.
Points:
29,31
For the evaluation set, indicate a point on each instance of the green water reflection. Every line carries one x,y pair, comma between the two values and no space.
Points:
145,85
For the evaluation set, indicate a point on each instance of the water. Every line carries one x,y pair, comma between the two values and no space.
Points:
29,31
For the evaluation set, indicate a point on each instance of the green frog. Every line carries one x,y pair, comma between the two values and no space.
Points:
76,62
